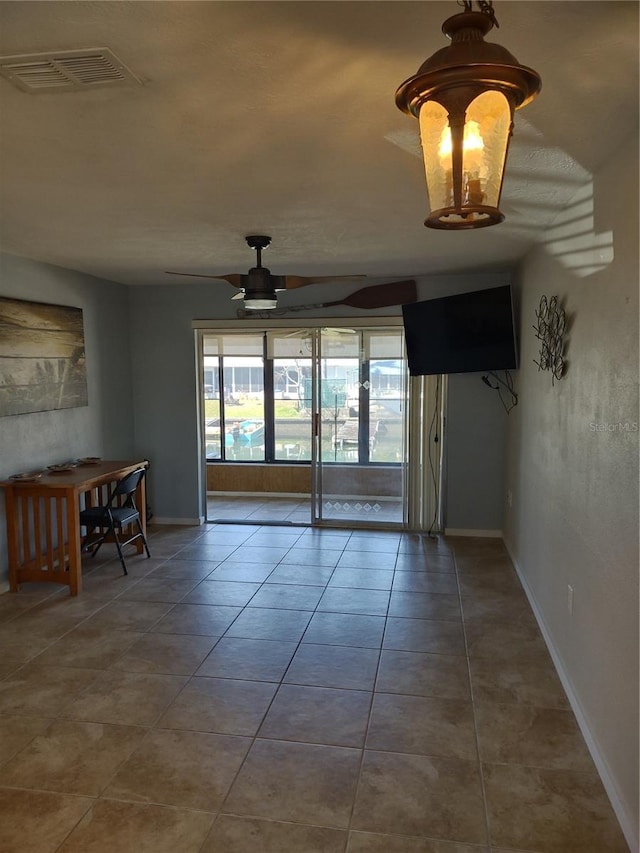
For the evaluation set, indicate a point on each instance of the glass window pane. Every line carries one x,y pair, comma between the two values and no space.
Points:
243,408
387,345
386,410
386,397
292,408
213,446
436,149
340,343
339,403
242,344
489,116
292,343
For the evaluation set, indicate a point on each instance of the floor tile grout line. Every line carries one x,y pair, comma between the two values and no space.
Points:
75,826
288,821
483,789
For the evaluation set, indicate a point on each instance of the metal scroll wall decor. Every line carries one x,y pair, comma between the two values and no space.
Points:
550,328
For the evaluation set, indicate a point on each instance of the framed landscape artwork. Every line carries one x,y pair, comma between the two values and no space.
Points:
42,359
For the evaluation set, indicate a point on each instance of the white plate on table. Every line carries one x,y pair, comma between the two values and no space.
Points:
26,477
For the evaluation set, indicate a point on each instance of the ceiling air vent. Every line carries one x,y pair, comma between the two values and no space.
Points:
66,70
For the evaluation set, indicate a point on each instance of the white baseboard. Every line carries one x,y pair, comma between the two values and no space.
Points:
482,534
185,522
617,801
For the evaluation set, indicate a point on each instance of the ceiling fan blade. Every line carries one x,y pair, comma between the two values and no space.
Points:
376,296
380,295
233,278
191,274
330,331
335,332
294,281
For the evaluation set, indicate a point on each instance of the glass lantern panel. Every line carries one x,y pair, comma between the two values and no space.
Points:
434,134
486,135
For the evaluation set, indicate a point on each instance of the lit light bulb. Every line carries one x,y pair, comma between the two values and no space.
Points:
472,152
472,140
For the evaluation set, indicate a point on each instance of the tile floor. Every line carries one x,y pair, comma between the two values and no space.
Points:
297,510
228,507
290,690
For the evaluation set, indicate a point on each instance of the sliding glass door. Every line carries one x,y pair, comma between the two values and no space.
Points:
360,408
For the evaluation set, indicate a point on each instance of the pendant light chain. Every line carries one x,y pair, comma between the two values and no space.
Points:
485,6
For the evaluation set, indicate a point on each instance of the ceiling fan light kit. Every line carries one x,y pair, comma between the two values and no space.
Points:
260,303
464,97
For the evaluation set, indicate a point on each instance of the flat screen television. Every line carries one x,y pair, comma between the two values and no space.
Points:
465,333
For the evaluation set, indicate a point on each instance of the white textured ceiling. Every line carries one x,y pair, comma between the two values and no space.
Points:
279,118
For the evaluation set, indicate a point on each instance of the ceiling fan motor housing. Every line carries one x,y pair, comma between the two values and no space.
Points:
259,290
258,279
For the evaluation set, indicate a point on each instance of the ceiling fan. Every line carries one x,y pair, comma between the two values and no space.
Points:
377,296
259,288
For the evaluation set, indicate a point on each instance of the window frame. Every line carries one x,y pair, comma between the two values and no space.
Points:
222,329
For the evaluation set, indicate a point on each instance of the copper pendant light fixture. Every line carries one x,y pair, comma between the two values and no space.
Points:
464,97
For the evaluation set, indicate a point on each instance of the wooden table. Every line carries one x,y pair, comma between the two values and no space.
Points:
43,522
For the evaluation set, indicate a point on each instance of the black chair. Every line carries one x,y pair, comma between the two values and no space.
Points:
120,512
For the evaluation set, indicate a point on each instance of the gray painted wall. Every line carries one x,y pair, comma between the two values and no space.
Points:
475,455
105,426
574,518
165,393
